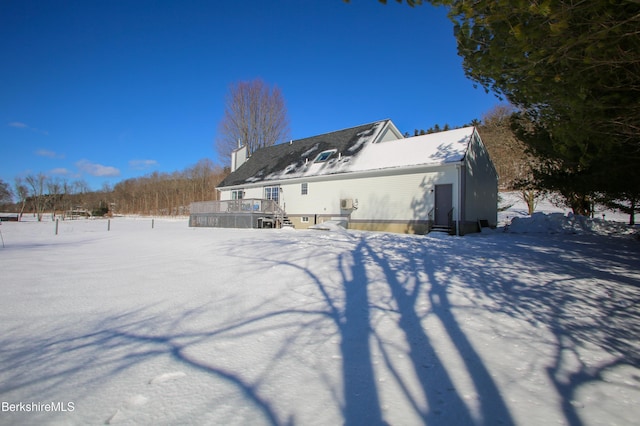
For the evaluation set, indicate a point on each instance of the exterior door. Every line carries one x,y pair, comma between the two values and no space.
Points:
443,204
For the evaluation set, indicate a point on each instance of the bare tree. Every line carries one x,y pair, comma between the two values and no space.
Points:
80,189
22,193
513,163
55,187
36,185
509,154
6,195
204,176
255,115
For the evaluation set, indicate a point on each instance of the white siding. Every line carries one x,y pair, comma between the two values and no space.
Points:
395,197
257,192
481,198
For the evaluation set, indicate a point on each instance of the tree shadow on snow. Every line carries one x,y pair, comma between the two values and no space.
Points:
543,283
42,365
404,271
348,311
370,278
350,305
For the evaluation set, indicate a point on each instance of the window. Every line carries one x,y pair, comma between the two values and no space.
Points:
271,193
237,195
304,188
324,156
304,219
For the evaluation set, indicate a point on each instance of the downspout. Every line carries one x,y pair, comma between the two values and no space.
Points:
282,203
460,192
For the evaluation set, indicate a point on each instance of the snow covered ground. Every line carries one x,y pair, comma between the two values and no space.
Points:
176,325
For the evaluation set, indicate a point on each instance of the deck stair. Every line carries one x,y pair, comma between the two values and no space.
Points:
441,228
286,222
281,216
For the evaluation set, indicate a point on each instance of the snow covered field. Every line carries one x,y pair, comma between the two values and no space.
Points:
175,325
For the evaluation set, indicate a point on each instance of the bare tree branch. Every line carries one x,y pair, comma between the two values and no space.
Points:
255,116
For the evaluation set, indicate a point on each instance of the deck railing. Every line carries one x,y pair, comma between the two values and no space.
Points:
248,205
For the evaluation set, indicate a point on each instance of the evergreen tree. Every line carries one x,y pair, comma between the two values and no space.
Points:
573,71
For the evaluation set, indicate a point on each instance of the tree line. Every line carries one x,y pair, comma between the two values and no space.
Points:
168,193
161,194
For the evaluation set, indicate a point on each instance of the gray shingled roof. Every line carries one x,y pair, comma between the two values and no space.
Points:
291,156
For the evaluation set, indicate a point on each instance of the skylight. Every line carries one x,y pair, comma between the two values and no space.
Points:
324,156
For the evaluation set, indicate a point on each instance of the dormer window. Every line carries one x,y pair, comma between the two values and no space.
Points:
324,156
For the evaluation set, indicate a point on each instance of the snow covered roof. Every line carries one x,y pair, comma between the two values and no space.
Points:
357,149
432,149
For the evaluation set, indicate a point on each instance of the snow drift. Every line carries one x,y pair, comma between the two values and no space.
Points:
559,223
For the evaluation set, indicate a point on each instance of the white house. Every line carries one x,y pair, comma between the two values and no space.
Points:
368,177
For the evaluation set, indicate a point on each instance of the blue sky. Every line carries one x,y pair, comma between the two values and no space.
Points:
107,90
